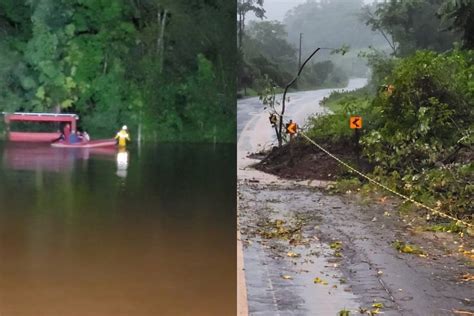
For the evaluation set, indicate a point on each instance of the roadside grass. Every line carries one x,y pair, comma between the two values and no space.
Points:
448,227
335,125
324,85
344,100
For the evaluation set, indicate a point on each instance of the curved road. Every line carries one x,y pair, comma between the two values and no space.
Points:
253,129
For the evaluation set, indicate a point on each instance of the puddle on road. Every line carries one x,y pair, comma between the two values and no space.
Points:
319,262
281,269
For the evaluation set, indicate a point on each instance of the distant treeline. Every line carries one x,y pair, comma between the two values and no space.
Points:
267,55
166,68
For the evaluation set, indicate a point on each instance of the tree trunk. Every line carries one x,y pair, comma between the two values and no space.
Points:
160,46
139,134
280,141
104,70
158,25
241,28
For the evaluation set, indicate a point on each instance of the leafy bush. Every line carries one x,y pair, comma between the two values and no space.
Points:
419,137
430,111
449,188
335,126
423,126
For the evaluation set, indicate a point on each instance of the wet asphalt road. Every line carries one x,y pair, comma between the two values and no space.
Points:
367,270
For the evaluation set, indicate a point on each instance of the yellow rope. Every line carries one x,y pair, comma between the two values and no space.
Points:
434,211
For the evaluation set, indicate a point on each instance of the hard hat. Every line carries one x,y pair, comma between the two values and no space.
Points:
124,127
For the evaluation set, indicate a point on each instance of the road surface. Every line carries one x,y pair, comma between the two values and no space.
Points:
344,256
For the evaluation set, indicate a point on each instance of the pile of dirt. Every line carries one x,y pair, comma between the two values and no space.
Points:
301,160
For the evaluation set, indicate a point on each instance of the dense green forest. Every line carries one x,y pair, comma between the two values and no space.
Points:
418,136
164,68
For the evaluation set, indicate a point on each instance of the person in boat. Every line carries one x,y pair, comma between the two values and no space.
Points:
64,134
67,133
83,136
60,138
74,137
123,137
86,136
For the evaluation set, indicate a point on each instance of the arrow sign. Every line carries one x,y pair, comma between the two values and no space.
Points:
355,122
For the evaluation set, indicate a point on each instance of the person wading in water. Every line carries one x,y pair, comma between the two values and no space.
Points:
123,137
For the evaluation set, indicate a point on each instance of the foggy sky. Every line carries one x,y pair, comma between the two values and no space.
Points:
276,9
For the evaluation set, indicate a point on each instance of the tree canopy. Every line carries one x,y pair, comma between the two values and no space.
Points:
409,25
138,62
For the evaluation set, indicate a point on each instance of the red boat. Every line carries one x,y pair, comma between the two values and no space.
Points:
87,144
70,119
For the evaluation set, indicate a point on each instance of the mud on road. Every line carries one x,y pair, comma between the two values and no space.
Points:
300,160
308,252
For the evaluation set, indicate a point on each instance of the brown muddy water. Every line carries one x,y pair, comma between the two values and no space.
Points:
143,232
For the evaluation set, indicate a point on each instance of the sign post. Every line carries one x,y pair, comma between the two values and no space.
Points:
355,123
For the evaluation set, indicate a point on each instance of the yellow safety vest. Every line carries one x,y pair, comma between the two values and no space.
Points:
122,137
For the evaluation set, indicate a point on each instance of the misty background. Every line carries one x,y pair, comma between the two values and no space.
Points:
277,9
269,34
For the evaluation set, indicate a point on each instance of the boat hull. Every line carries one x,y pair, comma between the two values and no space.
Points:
32,137
89,144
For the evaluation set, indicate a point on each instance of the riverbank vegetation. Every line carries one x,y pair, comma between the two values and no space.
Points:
164,68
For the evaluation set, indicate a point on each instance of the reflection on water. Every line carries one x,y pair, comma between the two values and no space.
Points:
76,239
122,162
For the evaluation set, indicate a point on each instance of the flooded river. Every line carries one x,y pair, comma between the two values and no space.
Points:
101,232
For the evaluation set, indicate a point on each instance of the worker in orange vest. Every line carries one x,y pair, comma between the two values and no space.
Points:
292,129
